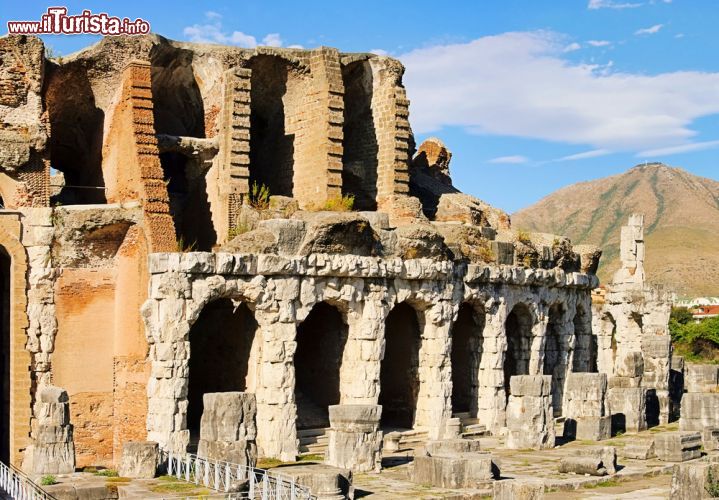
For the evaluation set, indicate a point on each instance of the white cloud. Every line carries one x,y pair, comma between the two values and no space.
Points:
684,148
272,40
611,4
649,31
211,31
520,85
599,43
572,47
295,46
379,52
515,159
594,153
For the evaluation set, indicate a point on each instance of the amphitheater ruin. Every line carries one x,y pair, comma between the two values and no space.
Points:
176,225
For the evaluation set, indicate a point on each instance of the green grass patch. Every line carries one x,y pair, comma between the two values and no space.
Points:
118,479
106,473
179,487
311,457
48,480
608,483
268,463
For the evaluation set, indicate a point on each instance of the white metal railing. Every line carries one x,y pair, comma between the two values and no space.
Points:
226,477
17,485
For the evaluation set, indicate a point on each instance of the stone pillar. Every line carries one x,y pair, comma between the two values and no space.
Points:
434,400
53,449
232,170
529,413
491,399
627,399
361,362
276,407
355,441
586,407
227,428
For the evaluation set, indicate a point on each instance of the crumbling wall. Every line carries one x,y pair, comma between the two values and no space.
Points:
24,172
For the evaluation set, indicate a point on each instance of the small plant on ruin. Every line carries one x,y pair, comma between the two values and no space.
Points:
183,246
107,473
48,480
485,254
523,237
259,196
240,228
340,203
712,485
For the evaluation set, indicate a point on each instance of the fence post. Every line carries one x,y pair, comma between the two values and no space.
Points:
228,477
187,468
265,486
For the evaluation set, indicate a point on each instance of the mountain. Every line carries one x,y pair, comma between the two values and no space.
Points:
681,223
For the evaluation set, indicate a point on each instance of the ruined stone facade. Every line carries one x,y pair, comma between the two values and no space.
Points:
154,272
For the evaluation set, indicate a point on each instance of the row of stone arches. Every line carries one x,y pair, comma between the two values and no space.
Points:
225,351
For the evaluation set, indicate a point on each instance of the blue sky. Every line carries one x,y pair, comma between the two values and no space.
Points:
528,95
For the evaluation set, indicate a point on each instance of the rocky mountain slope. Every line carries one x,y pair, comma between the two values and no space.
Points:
682,223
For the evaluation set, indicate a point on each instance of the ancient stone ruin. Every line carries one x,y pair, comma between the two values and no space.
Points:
182,220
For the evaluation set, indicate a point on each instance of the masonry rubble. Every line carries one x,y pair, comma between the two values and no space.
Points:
355,439
678,446
586,408
53,449
170,248
454,463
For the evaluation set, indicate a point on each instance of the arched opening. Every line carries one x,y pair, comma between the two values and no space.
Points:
466,359
178,110
223,354
609,328
271,108
321,340
518,328
554,361
586,350
399,372
360,149
76,135
5,269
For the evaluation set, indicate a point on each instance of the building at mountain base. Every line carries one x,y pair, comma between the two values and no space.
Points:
184,219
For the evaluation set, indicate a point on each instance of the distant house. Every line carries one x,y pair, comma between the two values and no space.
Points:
705,312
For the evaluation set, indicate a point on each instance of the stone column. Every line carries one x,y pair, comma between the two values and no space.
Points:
228,429
355,441
529,413
53,449
491,399
276,408
586,407
361,362
434,401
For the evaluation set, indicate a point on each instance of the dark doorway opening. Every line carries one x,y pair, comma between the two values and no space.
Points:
466,359
518,328
553,362
321,340
221,345
399,374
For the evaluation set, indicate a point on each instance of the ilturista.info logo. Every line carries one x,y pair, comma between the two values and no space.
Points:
56,21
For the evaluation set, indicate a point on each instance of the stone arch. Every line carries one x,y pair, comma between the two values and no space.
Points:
17,383
466,357
518,332
555,354
360,148
586,350
399,369
224,349
321,340
276,106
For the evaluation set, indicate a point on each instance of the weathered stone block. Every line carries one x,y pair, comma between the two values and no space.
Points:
236,452
325,482
52,450
228,428
678,446
699,410
139,460
588,428
355,440
639,450
692,481
448,447
514,489
701,378
468,470
628,409
607,454
530,419
630,365
582,465
710,438
390,442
